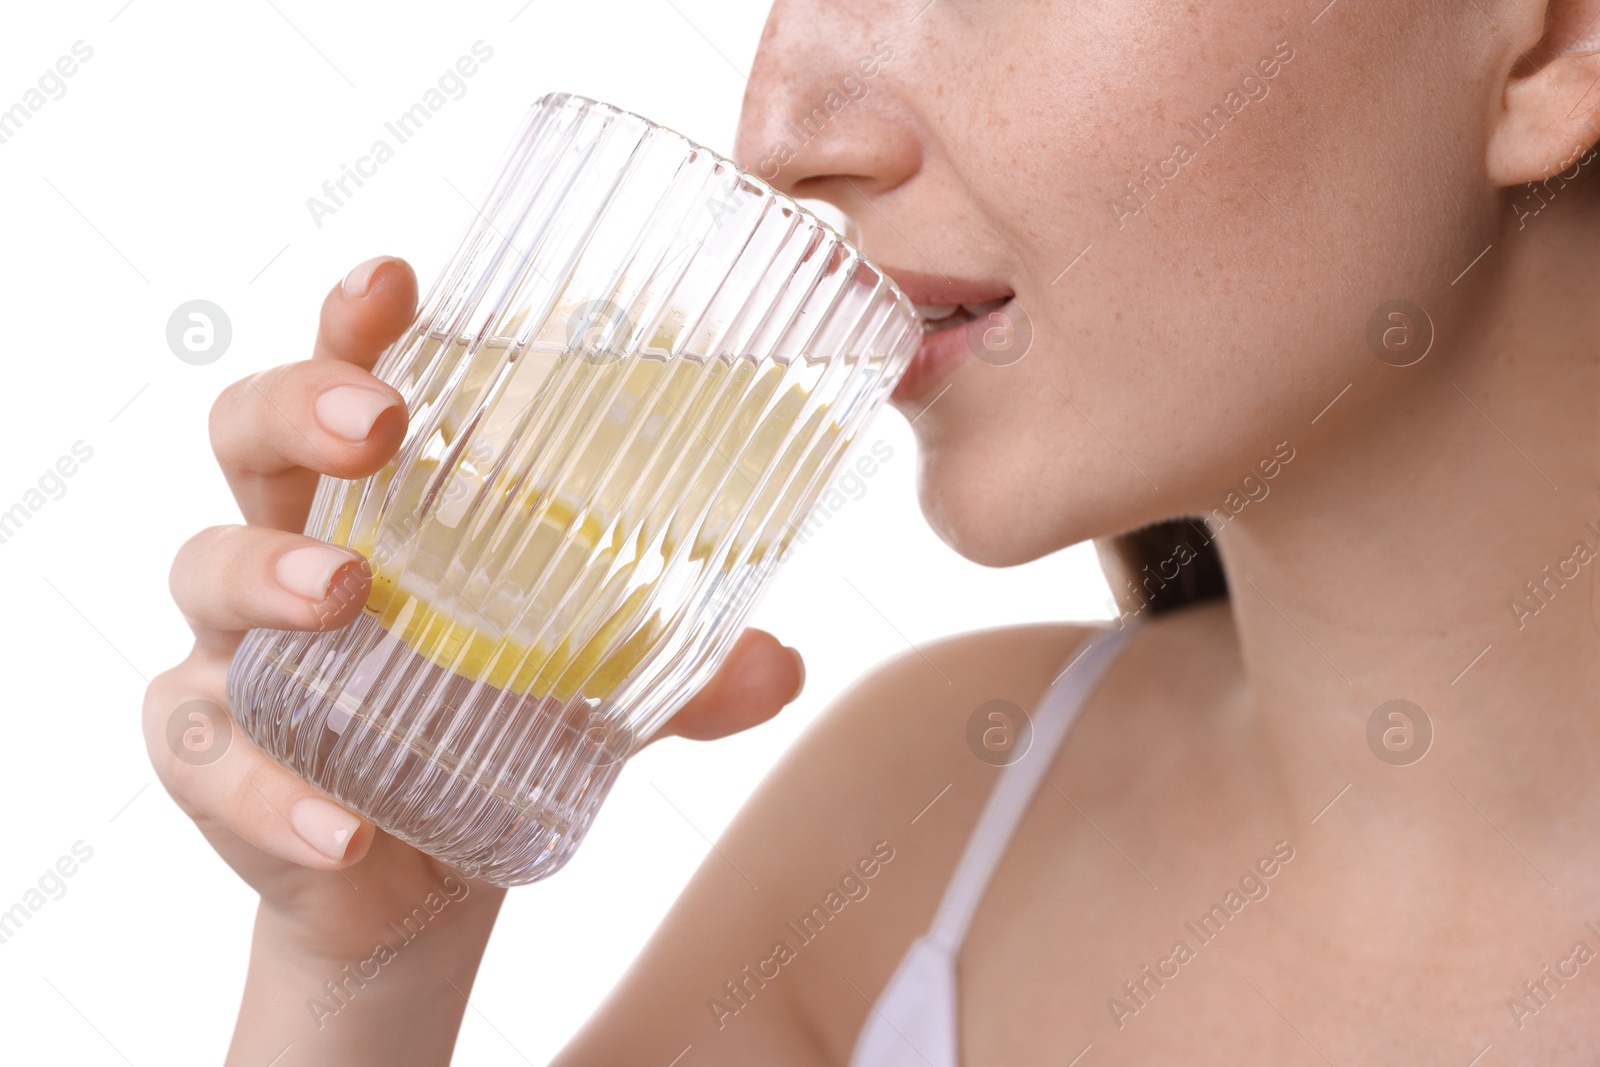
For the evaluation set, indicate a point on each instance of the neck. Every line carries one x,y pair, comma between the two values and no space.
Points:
1438,541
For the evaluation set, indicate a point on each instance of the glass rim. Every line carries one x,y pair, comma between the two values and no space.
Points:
561,98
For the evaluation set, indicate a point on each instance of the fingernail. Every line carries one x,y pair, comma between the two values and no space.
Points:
348,411
359,280
801,663
308,570
324,826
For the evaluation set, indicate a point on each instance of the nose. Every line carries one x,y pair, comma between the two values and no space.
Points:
821,115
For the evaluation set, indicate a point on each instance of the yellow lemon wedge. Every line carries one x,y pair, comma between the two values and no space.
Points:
534,562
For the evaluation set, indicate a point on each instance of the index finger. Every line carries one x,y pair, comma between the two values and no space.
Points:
366,311
264,433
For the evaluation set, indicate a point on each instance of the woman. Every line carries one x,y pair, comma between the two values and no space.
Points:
1320,273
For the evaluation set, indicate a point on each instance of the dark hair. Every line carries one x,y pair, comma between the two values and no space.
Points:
1163,566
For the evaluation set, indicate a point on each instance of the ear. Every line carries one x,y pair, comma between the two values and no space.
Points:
1550,109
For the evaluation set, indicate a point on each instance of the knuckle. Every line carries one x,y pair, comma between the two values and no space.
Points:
245,415
186,734
164,699
157,701
235,559
204,548
226,411
272,382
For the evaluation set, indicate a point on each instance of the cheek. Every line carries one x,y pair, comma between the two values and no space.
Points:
1232,308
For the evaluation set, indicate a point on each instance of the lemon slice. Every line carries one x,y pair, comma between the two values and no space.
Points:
562,672
534,562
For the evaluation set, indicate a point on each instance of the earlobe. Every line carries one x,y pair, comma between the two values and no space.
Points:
1550,107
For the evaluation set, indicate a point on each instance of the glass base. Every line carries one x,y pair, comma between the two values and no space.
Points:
498,784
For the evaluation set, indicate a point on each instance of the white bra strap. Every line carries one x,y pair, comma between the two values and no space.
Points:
1018,782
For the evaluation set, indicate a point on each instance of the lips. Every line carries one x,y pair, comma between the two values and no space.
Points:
954,315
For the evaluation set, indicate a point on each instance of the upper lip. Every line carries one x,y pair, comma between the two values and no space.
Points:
939,290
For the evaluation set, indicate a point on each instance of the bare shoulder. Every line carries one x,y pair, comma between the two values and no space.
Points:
837,862
1178,675
1175,671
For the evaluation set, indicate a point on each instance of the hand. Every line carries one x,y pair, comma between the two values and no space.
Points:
328,879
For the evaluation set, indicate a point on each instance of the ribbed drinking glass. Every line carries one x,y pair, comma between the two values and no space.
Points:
626,392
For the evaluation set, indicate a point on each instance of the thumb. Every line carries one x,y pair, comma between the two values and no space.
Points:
759,677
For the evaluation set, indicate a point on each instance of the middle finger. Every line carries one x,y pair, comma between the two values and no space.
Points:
226,579
275,431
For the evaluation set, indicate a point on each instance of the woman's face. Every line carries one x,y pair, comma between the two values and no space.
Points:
1195,210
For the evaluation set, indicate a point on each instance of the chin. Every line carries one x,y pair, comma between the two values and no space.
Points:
985,519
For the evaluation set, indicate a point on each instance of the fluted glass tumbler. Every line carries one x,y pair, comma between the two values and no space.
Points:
626,392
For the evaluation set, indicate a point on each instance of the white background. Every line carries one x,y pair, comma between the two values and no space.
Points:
177,166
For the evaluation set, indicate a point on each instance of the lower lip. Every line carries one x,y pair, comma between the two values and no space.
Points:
940,353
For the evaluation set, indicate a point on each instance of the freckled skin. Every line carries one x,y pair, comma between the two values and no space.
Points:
1221,320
